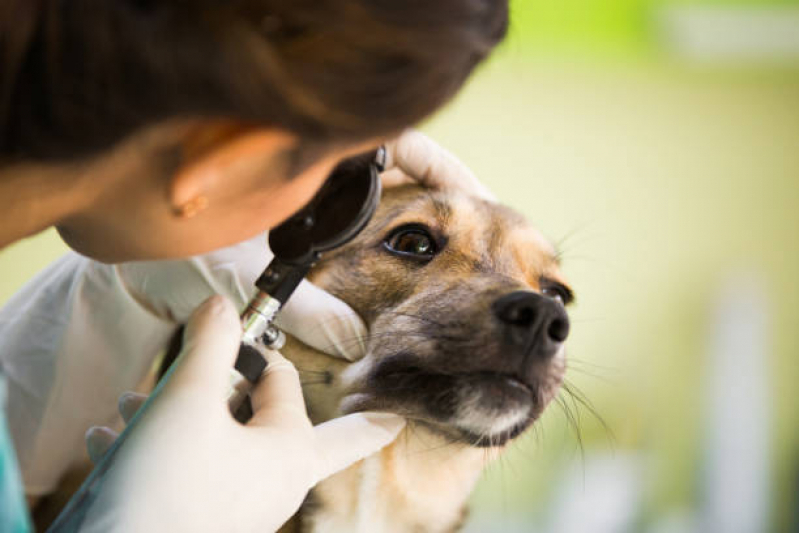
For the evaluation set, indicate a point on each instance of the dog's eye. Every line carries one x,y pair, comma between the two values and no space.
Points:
413,242
558,292
553,293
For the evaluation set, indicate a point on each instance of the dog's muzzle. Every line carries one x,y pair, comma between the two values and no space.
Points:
535,326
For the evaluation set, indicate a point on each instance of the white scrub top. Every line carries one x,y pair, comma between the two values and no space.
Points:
81,333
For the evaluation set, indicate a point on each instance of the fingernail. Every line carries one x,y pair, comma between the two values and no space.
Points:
98,439
124,399
214,303
214,308
96,431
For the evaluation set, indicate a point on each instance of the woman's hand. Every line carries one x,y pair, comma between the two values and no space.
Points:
415,157
172,290
188,465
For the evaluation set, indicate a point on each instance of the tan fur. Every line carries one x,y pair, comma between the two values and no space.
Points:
418,483
422,481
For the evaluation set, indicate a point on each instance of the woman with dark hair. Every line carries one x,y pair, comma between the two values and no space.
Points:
152,130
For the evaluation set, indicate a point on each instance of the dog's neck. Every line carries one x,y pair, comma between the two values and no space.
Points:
417,483
420,482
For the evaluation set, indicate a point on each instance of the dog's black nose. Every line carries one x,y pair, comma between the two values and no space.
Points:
535,323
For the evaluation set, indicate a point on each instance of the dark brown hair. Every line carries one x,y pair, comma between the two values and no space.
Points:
77,76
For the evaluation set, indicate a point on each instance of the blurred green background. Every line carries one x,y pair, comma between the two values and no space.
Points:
658,144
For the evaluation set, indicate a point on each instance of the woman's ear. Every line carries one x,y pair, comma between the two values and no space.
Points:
209,154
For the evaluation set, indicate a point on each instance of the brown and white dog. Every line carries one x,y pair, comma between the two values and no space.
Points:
465,306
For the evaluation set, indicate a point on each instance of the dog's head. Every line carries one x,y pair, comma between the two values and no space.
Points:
465,306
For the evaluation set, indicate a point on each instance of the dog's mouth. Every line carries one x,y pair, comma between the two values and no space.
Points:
482,408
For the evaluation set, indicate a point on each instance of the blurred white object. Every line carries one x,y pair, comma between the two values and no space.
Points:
732,34
601,494
737,412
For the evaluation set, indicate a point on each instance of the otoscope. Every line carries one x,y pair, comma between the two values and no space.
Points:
338,212
335,215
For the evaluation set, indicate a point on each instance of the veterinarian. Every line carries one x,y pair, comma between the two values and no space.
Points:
149,131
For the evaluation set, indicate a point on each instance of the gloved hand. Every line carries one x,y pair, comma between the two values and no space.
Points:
188,466
171,290
415,157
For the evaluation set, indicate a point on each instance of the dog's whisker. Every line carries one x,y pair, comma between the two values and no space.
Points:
569,235
413,428
578,433
576,409
593,375
605,374
448,443
579,363
538,434
572,423
573,359
581,399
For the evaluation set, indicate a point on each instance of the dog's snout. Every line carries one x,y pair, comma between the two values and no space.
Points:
535,322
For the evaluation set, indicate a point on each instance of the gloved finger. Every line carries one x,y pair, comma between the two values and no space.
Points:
424,160
210,345
129,403
324,322
395,177
342,441
277,397
98,440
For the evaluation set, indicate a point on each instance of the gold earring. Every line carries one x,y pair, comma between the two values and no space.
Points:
192,207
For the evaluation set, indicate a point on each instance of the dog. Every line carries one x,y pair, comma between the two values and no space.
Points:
465,307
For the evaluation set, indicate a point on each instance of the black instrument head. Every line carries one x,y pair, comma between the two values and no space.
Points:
338,212
333,217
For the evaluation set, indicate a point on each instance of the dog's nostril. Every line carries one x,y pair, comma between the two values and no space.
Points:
520,308
558,330
529,316
519,316
516,309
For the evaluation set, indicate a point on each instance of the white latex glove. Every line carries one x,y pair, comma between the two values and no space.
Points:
171,290
188,466
415,157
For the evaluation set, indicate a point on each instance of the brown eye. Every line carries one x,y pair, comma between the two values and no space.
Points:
553,293
412,242
557,292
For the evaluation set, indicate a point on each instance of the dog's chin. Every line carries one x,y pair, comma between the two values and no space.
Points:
481,409
494,409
